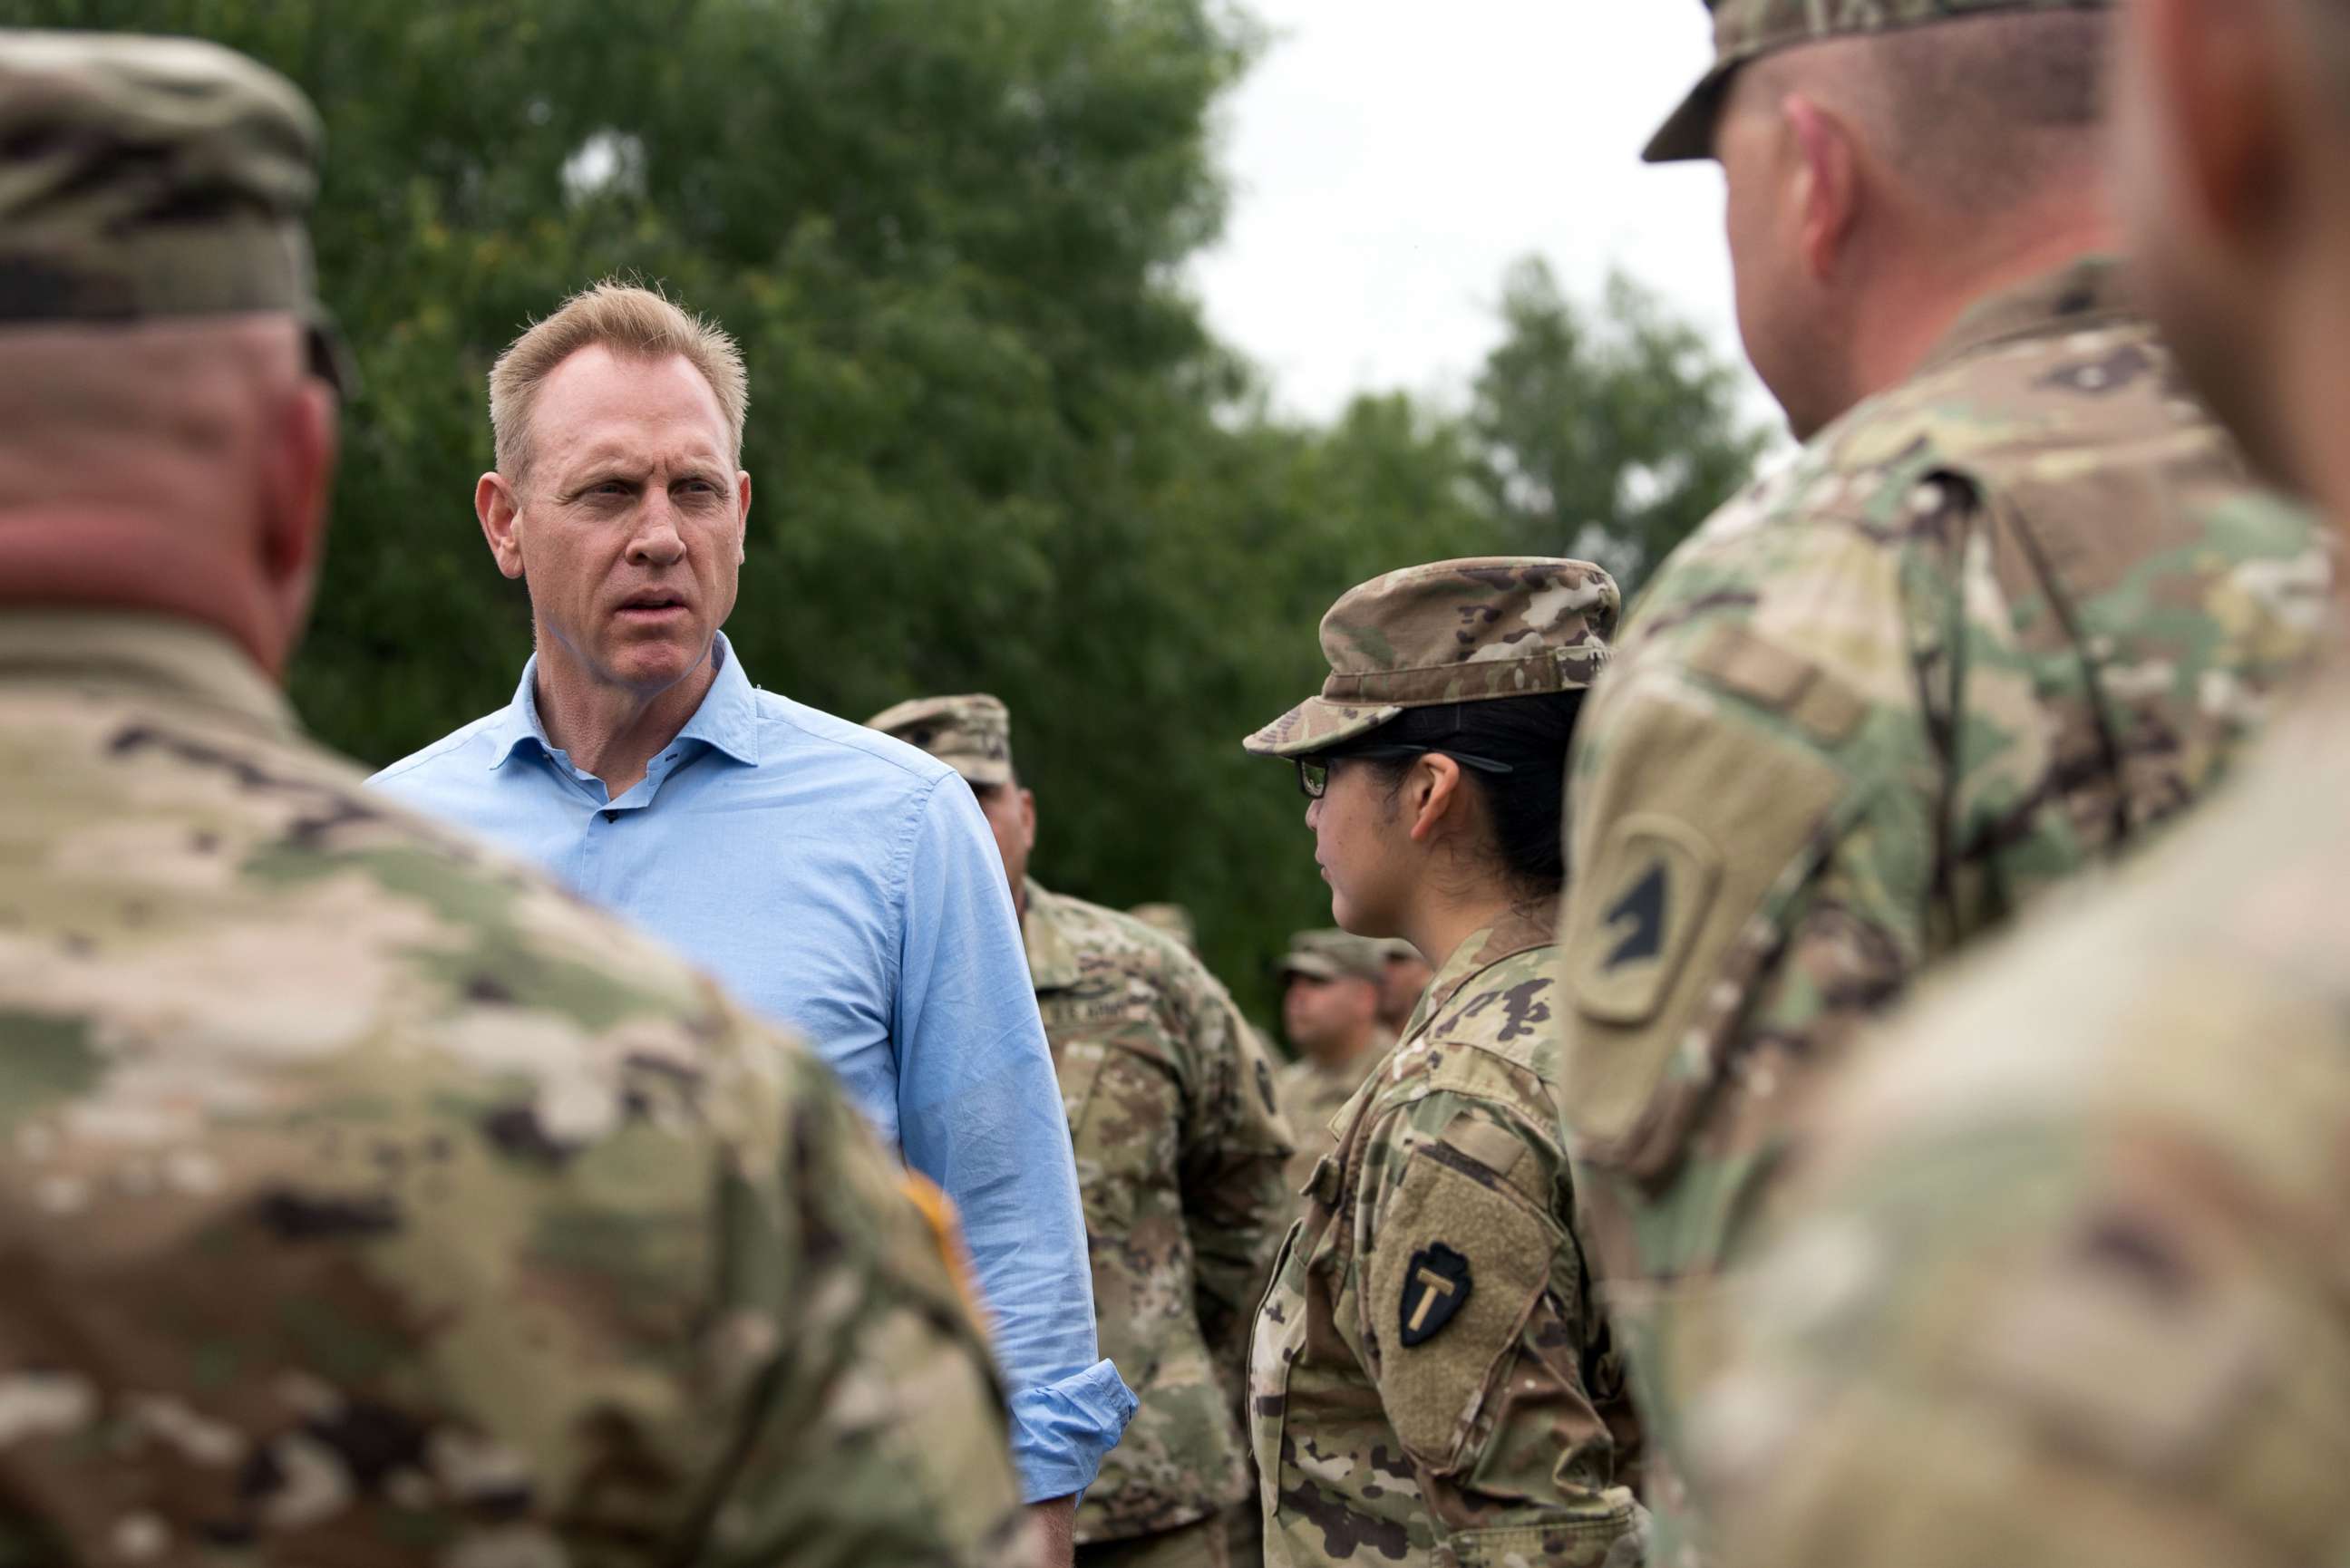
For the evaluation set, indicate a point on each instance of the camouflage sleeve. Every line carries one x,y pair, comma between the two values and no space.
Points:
2010,1331
876,1431
1236,1145
1474,1315
1754,833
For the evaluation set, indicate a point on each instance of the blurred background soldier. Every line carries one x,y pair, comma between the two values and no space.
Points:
1180,1147
366,1199
2062,1287
1403,980
1431,1380
1330,994
1984,632
1171,920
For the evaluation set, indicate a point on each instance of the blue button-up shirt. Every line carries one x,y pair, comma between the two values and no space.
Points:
845,884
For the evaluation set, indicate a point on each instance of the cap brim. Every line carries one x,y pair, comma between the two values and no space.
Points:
1687,135
987,772
1315,725
1313,966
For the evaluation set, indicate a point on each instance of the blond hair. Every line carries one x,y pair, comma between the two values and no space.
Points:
636,323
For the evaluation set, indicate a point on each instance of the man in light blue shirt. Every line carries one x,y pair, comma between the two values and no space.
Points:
833,878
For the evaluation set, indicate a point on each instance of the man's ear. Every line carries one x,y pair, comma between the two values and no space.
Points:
1432,792
495,505
2222,86
1028,818
296,488
1827,183
741,516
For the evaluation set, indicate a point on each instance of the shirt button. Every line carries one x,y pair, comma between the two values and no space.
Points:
611,816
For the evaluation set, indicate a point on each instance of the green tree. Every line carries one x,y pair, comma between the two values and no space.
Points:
993,445
1607,434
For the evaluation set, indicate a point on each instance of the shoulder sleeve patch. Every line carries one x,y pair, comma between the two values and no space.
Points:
1454,1271
1692,821
1656,878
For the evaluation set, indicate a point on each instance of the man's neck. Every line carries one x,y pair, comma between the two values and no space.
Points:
1909,315
1334,1054
117,559
614,732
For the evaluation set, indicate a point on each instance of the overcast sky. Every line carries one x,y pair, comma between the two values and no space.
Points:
1390,159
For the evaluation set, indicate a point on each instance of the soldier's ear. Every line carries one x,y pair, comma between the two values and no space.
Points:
1827,183
2222,89
500,513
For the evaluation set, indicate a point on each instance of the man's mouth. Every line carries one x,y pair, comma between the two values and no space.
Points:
652,606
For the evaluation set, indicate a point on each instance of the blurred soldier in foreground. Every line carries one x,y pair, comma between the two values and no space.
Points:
365,1199
1431,1381
1179,1149
1330,991
1402,982
2064,1284
1172,921
2007,615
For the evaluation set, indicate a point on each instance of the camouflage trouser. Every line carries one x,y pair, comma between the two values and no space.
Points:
1197,1545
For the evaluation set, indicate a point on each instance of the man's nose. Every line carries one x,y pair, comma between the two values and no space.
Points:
657,541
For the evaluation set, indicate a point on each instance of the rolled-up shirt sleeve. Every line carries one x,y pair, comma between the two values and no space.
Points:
980,1114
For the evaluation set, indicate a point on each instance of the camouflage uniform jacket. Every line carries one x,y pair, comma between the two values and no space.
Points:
1993,627
1179,1149
1430,1382
2064,1279
366,1200
1312,1094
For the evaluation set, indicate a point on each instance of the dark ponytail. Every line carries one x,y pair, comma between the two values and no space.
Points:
1525,806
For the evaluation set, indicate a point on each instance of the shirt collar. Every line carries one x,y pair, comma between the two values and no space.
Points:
143,654
727,721
2082,297
1051,960
1514,933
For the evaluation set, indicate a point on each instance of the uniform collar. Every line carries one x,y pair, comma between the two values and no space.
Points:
149,655
1523,928
727,721
1051,958
2082,297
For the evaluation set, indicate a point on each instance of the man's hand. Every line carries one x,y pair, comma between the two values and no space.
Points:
1052,1530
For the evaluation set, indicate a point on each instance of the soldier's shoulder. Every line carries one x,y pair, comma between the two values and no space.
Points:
2085,1160
240,870
1492,1039
1111,941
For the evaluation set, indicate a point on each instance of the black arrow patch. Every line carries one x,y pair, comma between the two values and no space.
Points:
1644,907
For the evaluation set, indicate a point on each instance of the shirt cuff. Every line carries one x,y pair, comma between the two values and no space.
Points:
1061,1430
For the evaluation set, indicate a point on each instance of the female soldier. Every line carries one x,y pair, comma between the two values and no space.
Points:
1430,1382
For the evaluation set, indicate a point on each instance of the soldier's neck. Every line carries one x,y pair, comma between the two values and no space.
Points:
1346,1048
133,559
1903,319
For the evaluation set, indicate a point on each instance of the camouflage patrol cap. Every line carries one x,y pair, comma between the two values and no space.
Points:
971,733
1455,632
144,178
1746,30
1334,954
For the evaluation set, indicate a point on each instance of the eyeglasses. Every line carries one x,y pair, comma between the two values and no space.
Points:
1314,772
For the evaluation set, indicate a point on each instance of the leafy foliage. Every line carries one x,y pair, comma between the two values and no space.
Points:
993,445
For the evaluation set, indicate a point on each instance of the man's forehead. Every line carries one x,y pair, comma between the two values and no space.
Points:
596,403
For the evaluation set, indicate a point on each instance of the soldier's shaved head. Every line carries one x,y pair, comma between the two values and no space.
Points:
1880,180
1975,115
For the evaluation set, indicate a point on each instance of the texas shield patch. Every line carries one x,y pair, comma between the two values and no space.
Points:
1435,1287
